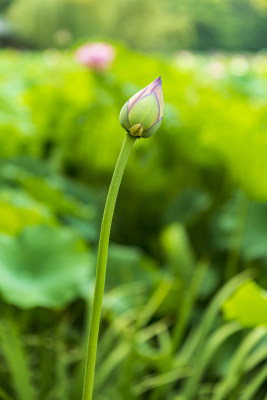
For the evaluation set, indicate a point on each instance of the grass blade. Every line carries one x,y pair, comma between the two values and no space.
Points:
217,339
195,343
237,364
16,360
255,384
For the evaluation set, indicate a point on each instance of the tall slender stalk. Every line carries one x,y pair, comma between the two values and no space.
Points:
101,266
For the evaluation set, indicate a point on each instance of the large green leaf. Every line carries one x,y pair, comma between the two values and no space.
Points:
43,266
248,305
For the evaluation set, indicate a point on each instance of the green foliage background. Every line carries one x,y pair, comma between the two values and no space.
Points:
150,25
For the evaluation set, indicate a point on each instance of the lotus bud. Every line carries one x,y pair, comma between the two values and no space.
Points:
142,114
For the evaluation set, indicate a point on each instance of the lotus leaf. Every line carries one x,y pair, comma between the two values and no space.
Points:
43,266
248,305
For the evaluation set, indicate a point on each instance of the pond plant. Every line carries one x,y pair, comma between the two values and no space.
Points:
140,116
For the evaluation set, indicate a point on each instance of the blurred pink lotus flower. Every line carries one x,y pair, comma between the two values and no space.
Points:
97,56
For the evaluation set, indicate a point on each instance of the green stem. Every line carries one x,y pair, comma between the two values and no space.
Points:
101,266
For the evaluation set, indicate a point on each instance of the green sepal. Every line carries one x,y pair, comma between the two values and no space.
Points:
149,132
124,117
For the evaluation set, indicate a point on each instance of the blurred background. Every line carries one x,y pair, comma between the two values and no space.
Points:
185,307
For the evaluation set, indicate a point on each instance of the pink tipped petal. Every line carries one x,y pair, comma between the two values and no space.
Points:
144,92
158,92
135,97
155,83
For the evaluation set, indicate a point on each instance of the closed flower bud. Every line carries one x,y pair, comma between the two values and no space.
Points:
141,116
